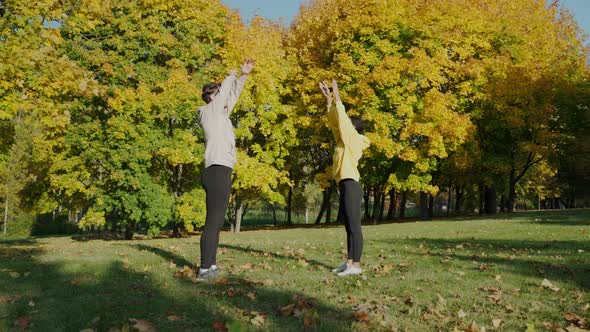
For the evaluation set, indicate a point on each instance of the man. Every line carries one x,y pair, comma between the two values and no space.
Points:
350,144
220,158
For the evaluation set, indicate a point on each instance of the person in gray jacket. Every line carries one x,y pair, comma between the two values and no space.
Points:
220,158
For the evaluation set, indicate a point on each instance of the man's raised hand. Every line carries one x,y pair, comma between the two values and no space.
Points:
247,66
335,90
326,91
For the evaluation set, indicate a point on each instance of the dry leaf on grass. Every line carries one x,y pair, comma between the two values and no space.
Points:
287,310
22,323
547,284
174,318
496,323
258,320
461,314
219,327
142,325
361,316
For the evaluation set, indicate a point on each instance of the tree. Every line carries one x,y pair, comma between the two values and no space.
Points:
265,126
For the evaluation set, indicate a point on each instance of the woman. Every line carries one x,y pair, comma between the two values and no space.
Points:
220,158
350,144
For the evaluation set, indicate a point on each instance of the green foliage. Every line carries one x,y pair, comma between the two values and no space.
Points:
98,102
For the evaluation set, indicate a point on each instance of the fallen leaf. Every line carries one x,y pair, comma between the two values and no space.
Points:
571,317
258,320
472,327
174,318
142,325
95,320
14,274
461,314
530,327
22,323
310,319
222,281
584,308
287,310
547,284
219,327
496,323
185,272
31,303
361,316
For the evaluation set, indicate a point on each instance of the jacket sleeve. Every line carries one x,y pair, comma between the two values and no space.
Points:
225,89
347,132
235,92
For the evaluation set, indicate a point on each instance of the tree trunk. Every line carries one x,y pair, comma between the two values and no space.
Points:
431,207
129,232
375,205
391,210
367,197
449,199
511,192
459,192
318,220
306,214
423,205
329,204
402,205
5,214
503,203
289,205
491,205
274,216
239,214
481,191
382,206
176,230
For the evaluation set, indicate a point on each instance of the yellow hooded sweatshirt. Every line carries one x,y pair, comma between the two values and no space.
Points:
349,144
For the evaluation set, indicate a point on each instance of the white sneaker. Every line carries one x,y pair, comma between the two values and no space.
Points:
350,270
342,268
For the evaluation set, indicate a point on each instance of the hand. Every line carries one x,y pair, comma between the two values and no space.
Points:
247,66
326,92
336,91
233,72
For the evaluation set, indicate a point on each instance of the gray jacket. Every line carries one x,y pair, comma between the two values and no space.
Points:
214,117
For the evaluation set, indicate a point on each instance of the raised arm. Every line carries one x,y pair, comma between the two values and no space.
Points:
225,88
345,128
238,85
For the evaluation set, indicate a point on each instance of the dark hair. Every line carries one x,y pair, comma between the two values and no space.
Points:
358,124
208,90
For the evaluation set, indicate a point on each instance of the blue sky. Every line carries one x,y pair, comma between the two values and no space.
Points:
287,9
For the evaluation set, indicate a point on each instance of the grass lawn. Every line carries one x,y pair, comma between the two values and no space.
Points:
418,276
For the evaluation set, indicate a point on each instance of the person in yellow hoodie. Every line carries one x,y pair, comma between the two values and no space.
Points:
350,144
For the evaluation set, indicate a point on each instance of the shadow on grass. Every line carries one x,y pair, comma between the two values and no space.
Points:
520,257
55,296
258,252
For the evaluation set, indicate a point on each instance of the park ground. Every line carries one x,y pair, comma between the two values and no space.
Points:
523,272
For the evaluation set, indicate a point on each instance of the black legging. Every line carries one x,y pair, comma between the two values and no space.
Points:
217,182
350,203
